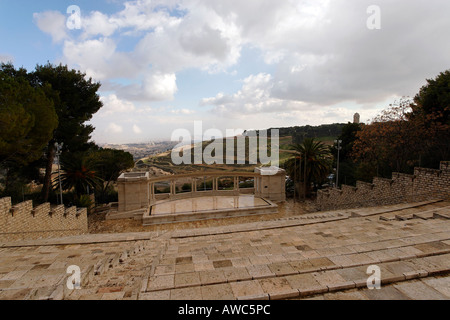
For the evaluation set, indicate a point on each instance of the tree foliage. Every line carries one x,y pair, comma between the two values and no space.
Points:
347,167
77,174
27,118
311,164
431,108
51,104
410,133
27,121
391,138
76,101
109,164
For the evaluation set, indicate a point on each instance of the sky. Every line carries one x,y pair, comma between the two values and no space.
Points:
232,64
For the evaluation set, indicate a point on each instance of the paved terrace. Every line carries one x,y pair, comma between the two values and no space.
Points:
314,256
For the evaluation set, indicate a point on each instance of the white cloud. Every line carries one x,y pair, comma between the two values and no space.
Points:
320,54
114,105
137,130
153,87
138,16
98,24
92,56
255,97
316,46
53,23
201,39
166,44
114,128
182,111
6,58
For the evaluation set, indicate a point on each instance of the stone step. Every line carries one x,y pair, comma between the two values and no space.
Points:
387,218
442,215
308,284
176,280
404,217
424,216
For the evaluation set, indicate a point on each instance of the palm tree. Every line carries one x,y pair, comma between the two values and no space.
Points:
78,175
311,164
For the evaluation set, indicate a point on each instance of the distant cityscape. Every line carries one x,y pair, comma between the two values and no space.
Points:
143,150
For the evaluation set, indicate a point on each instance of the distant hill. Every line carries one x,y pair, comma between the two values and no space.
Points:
298,134
288,136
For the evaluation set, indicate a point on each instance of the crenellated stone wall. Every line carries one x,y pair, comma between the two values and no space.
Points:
425,184
23,222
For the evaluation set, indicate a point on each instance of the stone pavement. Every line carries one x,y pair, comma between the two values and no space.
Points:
430,288
321,255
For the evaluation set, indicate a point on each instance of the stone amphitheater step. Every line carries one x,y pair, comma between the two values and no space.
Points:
416,207
212,285
435,212
121,279
221,266
429,288
291,265
38,270
308,219
289,258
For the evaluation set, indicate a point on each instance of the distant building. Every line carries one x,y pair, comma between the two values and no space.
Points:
356,118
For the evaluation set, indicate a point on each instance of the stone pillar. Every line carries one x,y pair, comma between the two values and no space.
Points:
134,191
215,186
236,184
271,184
257,185
173,188
152,193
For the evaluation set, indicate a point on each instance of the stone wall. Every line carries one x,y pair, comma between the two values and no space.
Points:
23,222
425,184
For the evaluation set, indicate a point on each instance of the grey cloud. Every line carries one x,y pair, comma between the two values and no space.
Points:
369,65
205,42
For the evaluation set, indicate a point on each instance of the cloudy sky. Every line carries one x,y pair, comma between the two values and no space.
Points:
233,64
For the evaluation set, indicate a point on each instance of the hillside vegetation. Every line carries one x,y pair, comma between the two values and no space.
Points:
288,136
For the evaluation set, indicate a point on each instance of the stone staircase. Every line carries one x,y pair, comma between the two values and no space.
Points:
301,261
119,277
433,213
37,270
188,264
301,257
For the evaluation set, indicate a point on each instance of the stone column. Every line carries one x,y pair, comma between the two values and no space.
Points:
152,193
133,191
173,189
271,183
194,185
